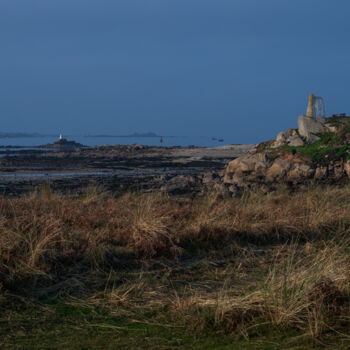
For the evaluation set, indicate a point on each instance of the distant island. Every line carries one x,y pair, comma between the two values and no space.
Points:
135,134
63,144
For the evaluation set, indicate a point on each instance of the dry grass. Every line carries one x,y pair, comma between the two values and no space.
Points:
302,290
43,232
234,264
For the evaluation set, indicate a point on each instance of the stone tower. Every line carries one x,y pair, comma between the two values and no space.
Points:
315,108
313,122
310,107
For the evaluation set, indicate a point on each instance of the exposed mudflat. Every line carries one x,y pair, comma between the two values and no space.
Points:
114,168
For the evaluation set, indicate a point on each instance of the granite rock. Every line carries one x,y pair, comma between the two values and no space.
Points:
310,127
289,137
266,170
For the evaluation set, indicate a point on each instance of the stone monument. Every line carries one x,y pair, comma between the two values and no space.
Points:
310,107
315,108
313,122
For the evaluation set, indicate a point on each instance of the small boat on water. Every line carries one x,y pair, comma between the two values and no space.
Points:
216,139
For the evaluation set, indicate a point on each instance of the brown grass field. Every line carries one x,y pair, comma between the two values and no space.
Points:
146,271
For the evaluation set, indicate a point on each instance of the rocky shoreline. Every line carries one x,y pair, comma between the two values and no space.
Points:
318,152
116,169
266,171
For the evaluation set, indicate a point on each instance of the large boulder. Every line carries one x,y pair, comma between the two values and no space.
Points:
310,127
289,137
246,169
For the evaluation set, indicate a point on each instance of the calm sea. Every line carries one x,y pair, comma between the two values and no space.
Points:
200,141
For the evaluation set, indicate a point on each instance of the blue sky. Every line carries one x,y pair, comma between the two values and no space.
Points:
239,69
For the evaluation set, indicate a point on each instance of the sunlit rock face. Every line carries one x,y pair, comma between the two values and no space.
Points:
289,137
310,127
265,171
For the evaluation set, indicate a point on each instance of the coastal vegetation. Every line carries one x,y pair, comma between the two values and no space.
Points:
143,271
333,145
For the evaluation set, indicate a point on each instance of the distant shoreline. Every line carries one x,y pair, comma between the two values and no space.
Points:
14,135
30,140
4,135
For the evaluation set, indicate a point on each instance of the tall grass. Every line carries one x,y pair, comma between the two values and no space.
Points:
41,234
301,290
276,260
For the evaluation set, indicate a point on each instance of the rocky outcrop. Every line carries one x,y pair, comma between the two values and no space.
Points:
270,164
289,137
308,130
310,127
267,170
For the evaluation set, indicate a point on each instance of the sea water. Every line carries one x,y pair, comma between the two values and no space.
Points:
184,141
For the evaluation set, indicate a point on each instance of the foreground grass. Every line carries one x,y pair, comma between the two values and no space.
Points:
60,325
149,271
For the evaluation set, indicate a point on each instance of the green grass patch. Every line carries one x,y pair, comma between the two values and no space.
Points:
339,122
58,324
327,148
